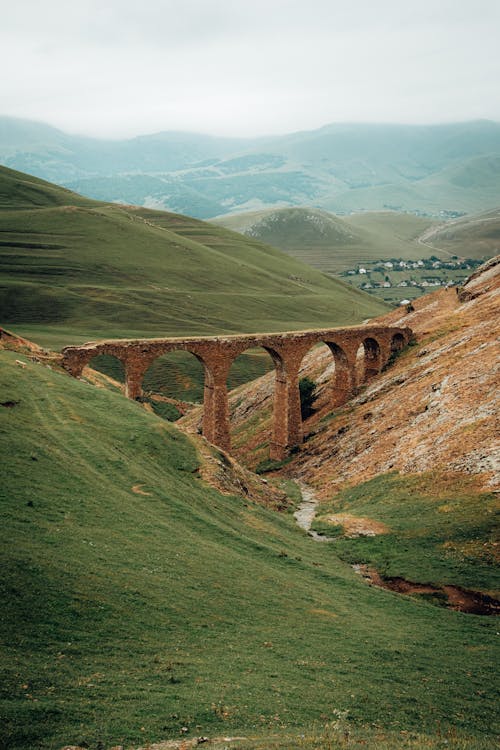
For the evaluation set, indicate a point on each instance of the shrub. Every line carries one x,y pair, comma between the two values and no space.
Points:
307,390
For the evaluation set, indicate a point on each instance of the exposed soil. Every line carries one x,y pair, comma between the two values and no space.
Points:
221,471
137,490
453,597
354,526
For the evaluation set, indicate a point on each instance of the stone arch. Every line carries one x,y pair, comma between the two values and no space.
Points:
109,364
343,383
337,382
236,413
398,342
175,373
368,360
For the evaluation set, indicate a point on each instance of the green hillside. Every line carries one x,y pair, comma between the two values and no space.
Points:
331,243
475,236
74,270
21,191
139,604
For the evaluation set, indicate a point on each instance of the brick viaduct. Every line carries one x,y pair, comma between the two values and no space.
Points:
287,351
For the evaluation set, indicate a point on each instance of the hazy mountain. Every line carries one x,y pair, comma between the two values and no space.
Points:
342,168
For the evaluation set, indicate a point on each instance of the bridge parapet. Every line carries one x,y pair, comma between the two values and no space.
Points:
287,350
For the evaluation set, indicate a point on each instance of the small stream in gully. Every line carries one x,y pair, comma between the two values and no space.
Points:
452,597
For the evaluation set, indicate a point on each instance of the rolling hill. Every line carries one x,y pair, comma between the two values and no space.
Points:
333,243
74,269
475,236
340,167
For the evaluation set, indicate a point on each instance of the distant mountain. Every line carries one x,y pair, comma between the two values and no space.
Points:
341,168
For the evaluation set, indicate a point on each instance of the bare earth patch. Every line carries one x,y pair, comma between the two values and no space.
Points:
138,491
354,526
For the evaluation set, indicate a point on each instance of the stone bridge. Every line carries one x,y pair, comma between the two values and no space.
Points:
287,350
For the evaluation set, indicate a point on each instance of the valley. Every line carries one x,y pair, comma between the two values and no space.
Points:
158,590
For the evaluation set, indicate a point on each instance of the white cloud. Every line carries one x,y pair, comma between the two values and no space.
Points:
120,68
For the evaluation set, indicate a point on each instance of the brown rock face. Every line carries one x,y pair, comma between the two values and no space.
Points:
436,406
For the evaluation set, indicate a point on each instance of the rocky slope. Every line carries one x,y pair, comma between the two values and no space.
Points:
434,408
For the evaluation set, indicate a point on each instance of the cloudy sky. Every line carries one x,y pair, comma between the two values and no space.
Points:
237,67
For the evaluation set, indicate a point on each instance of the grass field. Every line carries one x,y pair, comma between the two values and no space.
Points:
476,236
83,270
335,243
439,531
138,601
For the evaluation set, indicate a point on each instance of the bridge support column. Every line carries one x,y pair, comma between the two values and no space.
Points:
215,425
344,381
386,353
74,365
344,386
287,419
372,360
134,373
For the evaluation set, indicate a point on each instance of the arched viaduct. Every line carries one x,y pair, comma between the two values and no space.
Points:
287,351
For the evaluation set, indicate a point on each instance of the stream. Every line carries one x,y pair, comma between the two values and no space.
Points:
455,597
306,511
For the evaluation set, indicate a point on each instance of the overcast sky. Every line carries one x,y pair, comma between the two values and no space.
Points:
123,67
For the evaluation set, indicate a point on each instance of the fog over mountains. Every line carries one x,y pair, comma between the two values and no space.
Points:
436,169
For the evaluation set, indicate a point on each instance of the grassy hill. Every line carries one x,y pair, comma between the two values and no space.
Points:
74,270
138,601
331,243
475,236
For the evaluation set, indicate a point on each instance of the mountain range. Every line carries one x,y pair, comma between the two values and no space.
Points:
435,169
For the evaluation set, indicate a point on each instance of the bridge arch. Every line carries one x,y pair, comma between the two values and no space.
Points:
368,360
176,373
332,371
110,365
278,378
398,342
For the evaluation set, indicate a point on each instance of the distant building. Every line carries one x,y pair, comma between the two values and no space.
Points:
362,270
388,264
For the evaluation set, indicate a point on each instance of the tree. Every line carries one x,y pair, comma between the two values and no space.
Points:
307,391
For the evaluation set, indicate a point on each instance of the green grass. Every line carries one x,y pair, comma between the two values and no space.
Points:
331,243
440,532
127,616
476,236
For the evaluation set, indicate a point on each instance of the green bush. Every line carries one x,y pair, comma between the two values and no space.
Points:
307,390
